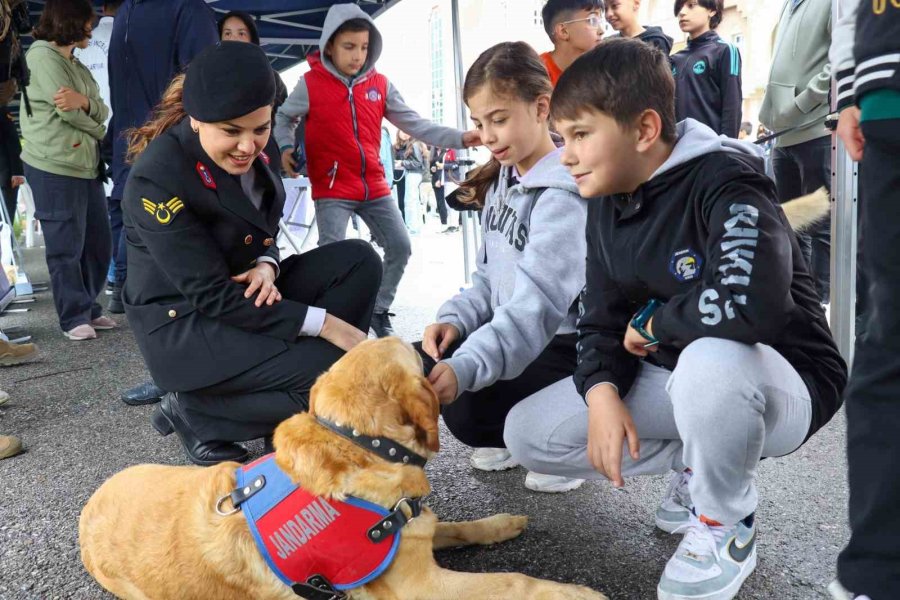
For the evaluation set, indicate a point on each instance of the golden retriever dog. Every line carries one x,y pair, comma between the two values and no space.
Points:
153,531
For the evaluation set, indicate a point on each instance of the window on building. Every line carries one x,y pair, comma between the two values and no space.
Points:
738,40
437,67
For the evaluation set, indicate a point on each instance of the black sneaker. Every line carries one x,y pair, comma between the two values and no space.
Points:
115,305
381,324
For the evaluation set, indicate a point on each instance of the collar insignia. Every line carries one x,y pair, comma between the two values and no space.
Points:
205,176
264,157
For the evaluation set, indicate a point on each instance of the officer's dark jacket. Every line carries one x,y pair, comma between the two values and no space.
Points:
708,83
189,228
706,237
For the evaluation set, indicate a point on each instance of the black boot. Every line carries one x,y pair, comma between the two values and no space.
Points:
115,305
145,393
381,324
167,419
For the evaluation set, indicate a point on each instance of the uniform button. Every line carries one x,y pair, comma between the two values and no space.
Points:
248,240
268,242
173,314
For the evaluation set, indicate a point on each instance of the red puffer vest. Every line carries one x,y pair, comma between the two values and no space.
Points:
343,134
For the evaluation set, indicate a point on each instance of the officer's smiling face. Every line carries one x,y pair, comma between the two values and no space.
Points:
235,144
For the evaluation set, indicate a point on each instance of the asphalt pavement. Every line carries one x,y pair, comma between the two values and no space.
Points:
77,433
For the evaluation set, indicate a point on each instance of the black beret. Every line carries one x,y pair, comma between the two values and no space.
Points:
227,81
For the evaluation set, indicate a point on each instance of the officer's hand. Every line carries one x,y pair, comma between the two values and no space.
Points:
262,278
443,379
288,163
16,181
437,338
850,133
341,333
67,100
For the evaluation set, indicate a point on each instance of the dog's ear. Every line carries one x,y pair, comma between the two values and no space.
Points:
422,409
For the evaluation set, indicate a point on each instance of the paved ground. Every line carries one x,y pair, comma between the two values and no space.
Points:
78,433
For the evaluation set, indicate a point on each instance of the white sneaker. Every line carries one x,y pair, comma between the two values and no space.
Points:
492,459
711,562
676,506
551,484
839,592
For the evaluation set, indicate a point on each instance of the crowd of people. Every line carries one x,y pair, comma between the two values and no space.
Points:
640,304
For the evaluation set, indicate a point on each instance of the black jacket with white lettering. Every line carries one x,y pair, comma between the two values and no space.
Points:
706,237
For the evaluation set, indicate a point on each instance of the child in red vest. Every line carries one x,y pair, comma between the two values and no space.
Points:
343,100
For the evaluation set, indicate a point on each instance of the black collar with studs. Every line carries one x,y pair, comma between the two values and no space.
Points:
384,447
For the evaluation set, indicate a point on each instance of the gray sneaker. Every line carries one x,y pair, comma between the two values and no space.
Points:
711,562
839,592
676,506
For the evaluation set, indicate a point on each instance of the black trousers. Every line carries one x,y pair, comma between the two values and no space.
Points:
477,418
870,564
343,278
441,201
802,169
401,191
9,199
74,219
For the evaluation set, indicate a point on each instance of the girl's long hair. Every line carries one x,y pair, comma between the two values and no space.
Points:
169,112
513,70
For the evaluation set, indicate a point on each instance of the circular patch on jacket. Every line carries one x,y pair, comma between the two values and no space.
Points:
699,68
373,95
685,265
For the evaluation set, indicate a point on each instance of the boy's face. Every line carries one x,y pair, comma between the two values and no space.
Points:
578,31
693,19
348,51
621,13
599,153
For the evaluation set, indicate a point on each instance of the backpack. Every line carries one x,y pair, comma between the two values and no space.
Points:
14,21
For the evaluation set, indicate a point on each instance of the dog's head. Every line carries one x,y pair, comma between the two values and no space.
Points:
379,389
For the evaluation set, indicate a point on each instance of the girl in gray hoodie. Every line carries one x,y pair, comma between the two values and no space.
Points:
513,332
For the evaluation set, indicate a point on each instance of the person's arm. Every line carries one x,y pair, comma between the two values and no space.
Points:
840,54
289,114
409,121
188,255
732,92
816,91
604,313
195,30
548,279
98,110
11,146
415,162
745,291
47,78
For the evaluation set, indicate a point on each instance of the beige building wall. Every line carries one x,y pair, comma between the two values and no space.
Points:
749,24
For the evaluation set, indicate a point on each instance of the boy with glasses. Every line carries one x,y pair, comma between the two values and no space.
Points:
574,27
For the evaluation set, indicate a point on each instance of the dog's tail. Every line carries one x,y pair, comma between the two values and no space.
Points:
807,210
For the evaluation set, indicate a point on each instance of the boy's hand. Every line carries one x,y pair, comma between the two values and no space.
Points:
471,139
444,381
437,338
635,343
609,424
850,133
288,163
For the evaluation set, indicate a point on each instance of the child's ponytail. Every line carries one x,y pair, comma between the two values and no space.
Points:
512,69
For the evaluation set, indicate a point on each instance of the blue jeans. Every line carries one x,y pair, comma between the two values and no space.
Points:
118,266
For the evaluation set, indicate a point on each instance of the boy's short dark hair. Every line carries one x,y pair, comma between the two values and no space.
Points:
63,21
620,77
556,11
352,26
716,5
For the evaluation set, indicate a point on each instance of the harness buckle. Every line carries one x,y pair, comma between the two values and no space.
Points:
318,587
221,501
395,521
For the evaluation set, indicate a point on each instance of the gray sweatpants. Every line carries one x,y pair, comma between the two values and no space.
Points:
724,406
383,218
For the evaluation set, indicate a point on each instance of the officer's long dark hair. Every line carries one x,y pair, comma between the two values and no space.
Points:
511,69
170,111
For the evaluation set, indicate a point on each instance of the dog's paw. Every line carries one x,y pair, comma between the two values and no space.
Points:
506,527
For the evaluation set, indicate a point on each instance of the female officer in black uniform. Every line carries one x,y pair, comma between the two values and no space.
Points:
239,335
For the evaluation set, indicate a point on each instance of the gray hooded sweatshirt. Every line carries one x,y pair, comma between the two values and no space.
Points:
396,111
530,273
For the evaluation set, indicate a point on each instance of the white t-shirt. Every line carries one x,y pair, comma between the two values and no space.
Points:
95,58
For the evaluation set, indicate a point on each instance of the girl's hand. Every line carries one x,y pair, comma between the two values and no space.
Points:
437,338
341,333
609,424
67,100
262,278
471,139
443,380
288,163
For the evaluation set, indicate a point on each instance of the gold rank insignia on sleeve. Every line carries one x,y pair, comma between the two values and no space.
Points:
163,211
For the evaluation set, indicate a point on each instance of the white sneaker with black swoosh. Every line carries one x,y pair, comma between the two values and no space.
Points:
711,562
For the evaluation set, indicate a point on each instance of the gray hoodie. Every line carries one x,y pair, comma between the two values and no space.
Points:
396,111
530,272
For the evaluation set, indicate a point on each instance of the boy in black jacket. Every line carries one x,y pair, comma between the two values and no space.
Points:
707,72
701,344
